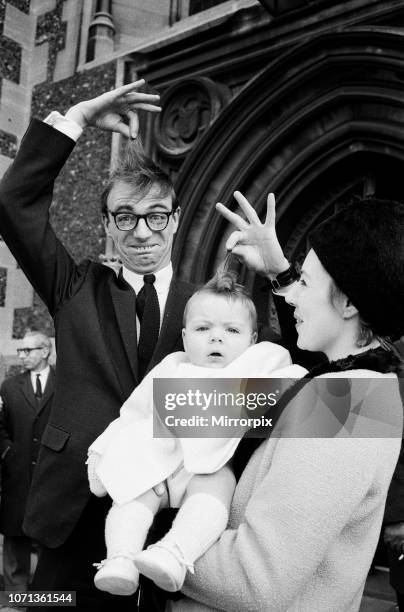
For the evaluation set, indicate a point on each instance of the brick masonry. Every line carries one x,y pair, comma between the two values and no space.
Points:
10,68
37,41
75,214
51,29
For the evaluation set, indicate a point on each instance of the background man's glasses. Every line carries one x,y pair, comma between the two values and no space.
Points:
155,221
27,351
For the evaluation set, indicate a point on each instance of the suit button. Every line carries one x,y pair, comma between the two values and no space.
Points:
35,440
33,462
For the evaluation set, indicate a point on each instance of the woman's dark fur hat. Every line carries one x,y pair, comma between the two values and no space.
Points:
362,248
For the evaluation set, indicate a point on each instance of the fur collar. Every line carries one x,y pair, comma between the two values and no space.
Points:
378,360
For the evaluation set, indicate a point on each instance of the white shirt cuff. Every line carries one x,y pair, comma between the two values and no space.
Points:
66,126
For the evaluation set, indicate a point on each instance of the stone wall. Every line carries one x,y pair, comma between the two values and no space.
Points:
75,213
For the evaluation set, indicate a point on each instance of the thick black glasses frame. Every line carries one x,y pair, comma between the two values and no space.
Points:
136,218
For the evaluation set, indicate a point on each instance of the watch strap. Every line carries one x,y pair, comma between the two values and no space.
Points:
285,278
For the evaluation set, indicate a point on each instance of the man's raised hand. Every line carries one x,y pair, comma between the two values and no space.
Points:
109,110
254,243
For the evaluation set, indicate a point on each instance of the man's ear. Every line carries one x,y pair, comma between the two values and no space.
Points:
105,222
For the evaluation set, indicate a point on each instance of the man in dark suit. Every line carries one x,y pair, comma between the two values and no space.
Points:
100,359
26,401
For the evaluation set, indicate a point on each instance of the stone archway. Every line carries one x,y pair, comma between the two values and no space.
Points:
318,126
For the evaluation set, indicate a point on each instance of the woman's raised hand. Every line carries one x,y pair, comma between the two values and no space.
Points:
253,242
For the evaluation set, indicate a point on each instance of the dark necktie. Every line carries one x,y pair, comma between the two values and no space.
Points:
38,387
148,312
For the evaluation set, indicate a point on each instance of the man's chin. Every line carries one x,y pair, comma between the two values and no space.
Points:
142,265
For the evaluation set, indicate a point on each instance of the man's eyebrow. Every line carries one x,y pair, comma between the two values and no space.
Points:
125,207
129,207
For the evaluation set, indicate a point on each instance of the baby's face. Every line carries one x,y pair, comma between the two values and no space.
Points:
217,331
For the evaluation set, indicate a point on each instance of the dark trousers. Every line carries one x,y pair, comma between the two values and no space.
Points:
69,567
16,562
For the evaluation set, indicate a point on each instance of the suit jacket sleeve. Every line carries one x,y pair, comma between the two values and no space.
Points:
25,197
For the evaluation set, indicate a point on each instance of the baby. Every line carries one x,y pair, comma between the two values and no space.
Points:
219,335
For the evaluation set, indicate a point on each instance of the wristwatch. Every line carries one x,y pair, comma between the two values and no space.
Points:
285,278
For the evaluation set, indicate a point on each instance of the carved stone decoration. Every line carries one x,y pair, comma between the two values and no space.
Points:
189,108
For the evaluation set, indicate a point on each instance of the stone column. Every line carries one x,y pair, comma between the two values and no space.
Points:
101,32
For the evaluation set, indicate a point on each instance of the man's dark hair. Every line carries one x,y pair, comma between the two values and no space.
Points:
139,172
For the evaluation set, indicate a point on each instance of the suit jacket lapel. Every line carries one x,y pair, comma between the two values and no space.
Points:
124,302
178,295
28,391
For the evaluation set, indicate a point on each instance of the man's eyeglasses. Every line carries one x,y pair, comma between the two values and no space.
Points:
155,221
27,351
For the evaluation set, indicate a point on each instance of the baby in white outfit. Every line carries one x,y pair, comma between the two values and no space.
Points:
219,335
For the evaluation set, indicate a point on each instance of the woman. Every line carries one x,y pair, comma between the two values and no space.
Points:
307,512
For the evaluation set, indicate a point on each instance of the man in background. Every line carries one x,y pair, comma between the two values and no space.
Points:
26,400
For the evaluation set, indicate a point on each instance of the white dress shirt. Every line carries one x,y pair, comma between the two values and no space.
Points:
161,284
43,377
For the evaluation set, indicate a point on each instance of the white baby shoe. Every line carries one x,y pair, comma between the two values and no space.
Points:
118,576
164,564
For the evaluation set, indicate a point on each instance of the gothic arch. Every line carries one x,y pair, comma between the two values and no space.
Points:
321,123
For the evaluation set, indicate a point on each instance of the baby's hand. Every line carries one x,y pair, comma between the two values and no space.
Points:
96,486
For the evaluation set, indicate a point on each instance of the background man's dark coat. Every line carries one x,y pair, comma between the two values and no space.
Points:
22,423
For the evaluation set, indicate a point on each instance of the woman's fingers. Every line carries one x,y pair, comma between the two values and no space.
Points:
246,207
233,239
271,210
234,218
